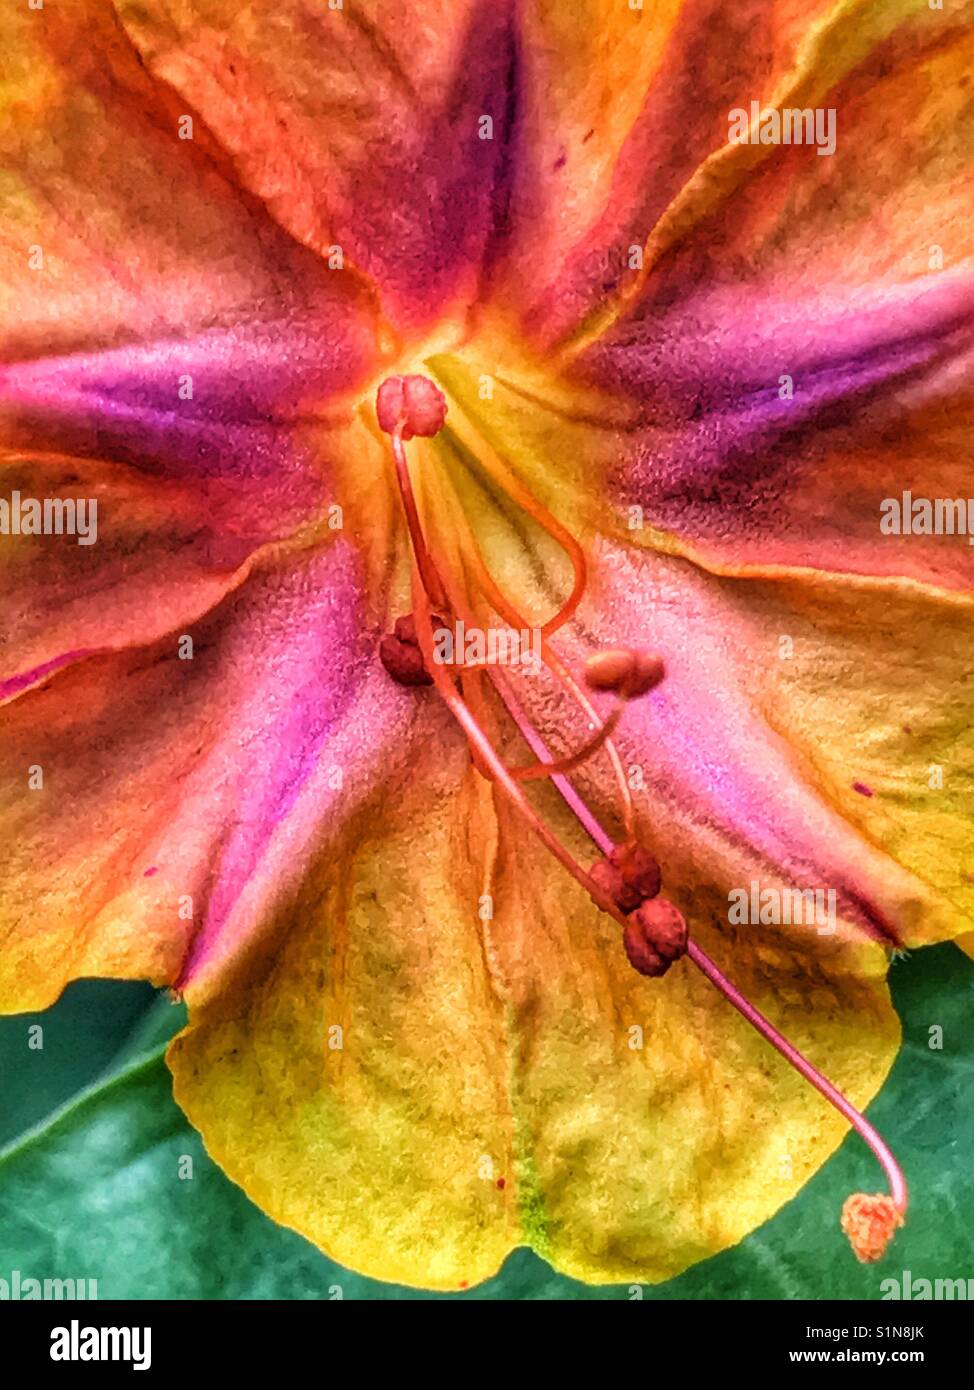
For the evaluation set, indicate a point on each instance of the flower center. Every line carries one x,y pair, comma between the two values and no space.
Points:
625,882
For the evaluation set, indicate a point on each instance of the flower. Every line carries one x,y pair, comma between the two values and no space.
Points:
682,375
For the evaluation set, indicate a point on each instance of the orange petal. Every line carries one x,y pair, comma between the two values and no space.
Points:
374,134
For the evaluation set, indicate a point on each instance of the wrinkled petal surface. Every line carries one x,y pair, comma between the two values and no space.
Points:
361,128
412,1038
165,349
799,346
166,774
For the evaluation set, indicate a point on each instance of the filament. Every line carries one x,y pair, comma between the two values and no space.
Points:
511,484
424,562
505,608
537,770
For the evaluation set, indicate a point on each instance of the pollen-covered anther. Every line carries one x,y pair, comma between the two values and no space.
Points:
628,874
655,935
870,1220
400,654
626,670
411,404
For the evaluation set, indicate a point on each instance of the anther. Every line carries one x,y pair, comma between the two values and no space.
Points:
869,1220
400,653
625,670
629,673
628,874
410,404
655,935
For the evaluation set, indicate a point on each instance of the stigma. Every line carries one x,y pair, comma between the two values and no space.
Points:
869,1221
410,405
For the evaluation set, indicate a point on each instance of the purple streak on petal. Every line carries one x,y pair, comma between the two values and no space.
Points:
715,765
311,660
431,200
713,455
703,380
125,405
15,685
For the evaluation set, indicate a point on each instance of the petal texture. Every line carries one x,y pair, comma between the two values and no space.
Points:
144,790
376,132
797,353
166,350
623,132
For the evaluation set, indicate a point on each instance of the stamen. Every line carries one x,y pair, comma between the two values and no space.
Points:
894,1176
400,654
568,682
578,693
626,670
491,761
654,937
630,874
866,1131
532,772
630,674
503,606
654,932
410,405
566,791
510,483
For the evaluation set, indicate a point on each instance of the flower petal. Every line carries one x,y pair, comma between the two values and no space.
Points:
657,1127
120,231
838,477
772,413
624,123
852,212
143,790
418,1078
351,1072
141,558
803,719
178,359
873,686
396,1045
361,127
780,696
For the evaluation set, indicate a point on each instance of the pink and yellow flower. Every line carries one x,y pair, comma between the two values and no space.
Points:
681,377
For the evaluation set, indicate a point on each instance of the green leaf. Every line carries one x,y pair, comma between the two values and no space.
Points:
98,1192
80,1038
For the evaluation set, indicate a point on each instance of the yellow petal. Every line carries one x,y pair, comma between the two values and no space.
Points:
352,1074
873,686
439,1011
